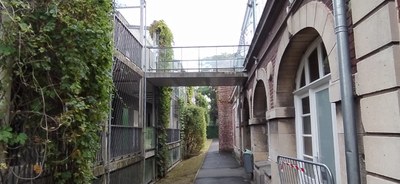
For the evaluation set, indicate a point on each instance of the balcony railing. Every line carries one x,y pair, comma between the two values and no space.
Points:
127,175
125,140
126,43
173,135
292,170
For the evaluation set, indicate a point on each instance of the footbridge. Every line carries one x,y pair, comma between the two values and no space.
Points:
197,65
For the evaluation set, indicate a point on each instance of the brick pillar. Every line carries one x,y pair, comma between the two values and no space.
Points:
225,118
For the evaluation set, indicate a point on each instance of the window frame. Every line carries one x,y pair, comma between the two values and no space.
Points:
309,90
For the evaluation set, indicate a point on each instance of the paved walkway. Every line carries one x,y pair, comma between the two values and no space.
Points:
221,168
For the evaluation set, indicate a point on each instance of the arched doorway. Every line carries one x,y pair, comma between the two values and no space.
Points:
314,112
258,124
302,83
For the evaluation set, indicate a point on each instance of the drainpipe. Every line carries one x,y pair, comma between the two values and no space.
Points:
346,91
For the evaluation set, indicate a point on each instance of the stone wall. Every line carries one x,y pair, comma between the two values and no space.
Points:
377,82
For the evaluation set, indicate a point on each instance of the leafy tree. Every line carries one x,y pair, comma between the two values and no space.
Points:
210,92
202,102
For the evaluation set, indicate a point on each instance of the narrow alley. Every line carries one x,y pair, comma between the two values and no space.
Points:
221,168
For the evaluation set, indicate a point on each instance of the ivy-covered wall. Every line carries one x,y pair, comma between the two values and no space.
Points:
165,40
59,57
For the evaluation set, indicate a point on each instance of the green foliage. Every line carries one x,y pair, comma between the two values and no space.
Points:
212,132
165,40
8,137
60,53
211,93
194,129
164,116
202,102
189,94
164,34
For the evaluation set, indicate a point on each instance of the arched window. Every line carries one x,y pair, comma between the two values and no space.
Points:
314,112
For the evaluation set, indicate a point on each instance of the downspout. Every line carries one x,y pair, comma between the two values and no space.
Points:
346,91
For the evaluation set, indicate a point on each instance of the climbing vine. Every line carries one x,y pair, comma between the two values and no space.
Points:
190,94
56,61
165,39
164,116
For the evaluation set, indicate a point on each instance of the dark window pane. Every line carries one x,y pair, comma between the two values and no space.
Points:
313,66
308,146
325,61
302,78
306,125
305,102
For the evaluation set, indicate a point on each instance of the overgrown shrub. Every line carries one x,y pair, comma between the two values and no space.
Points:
194,129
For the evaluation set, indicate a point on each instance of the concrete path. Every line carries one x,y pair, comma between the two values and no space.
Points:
221,168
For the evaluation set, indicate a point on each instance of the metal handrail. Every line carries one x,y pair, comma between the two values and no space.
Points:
198,59
297,171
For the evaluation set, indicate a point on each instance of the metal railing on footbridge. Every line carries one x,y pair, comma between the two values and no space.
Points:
223,58
296,171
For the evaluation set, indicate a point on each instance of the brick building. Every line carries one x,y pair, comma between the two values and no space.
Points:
292,103
225,118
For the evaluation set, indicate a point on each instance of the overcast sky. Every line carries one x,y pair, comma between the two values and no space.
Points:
194,22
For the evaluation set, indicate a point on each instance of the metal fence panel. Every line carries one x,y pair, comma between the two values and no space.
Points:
125,133
127,175
150,138
126,43
125,141
173,135
174,156
150,170
296,171
25,164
